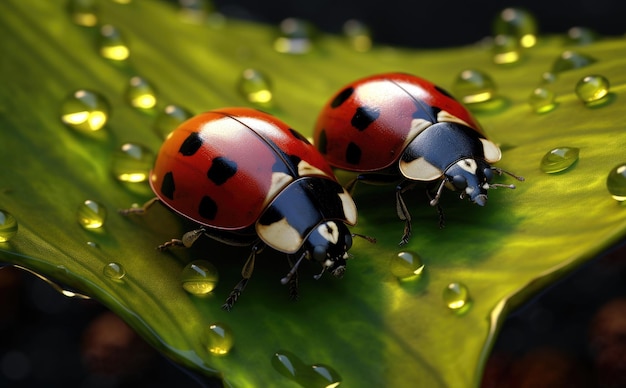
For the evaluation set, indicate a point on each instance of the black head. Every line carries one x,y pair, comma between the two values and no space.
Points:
472,177
328,244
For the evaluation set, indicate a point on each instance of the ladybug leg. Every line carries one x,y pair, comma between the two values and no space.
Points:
246,273
293,282
139,210
186,241
403,211
435,202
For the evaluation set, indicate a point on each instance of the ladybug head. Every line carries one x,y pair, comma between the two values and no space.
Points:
328,244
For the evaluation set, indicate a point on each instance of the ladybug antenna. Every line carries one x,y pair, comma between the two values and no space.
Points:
435,200
496,185
500,171
368,238
293,271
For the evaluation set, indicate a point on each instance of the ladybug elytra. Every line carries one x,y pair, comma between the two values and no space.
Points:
398,127
249,179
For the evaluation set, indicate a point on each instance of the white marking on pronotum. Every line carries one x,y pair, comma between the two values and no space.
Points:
491,150
329,231
349,208
420,169
468,165
280,236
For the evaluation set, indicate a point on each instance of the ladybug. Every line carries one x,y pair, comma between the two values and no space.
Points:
246,178
401,128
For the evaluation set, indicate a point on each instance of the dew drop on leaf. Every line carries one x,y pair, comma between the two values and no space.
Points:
140,93
592,88
517,23
169,119
132,163
548,77
580,36
570,60
295,36
255,87
358,35
84,12
199,277
288,364
219,339
195,11
542,100
407,265
114,271
8,226
329,375
474,86
616,182
91,214
85,110
456,296
559,159
506,50
112,44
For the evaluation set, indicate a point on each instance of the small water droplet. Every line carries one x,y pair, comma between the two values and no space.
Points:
358,34
616,182
195,11
592,88
570,60
456,296
91,214
542,100
114,271
169,119
548,77
506,50
112,44
132,163
85,110
288,364
140,93
474,86
255,87
8,226
559,159
329,376
84,12
407,265
92,244
295,37
581,36
518,23
219,339
199,277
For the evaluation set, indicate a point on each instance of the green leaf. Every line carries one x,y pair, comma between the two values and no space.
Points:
369,327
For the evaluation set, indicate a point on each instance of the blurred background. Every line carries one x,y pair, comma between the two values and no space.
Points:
572,335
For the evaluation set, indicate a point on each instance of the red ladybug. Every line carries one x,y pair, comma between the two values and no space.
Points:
395,126
247,178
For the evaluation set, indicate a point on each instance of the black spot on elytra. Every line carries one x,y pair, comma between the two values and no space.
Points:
444,92
364,116
221,170
299,136
207,208
353,153
191,145
167,185
322,142
341,97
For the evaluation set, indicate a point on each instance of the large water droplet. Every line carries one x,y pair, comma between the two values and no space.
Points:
581,36
570,60
199,277
91,214
8,226
132,163
219,339
518,23
114,271
84,12
112,44
456,296
506,50
295,37
85,110
542,100
407,265
169,119
255,87
559,159
140,93
358,34
592,88
474,86
616,182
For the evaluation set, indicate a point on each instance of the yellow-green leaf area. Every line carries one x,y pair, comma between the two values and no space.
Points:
368,329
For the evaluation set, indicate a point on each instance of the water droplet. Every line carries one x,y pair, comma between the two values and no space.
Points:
92,244
518,23
140,93
506,50
8,226
548,77
255,87
474,86
199,277
114,271
616,182
195,11
296,37
288,364
407,265
112,44
85,110
559,159
542,100
329,376
569,60
169,119
219,339
456,296
581,36
84,12
132,163
592,88
91,214
358,34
